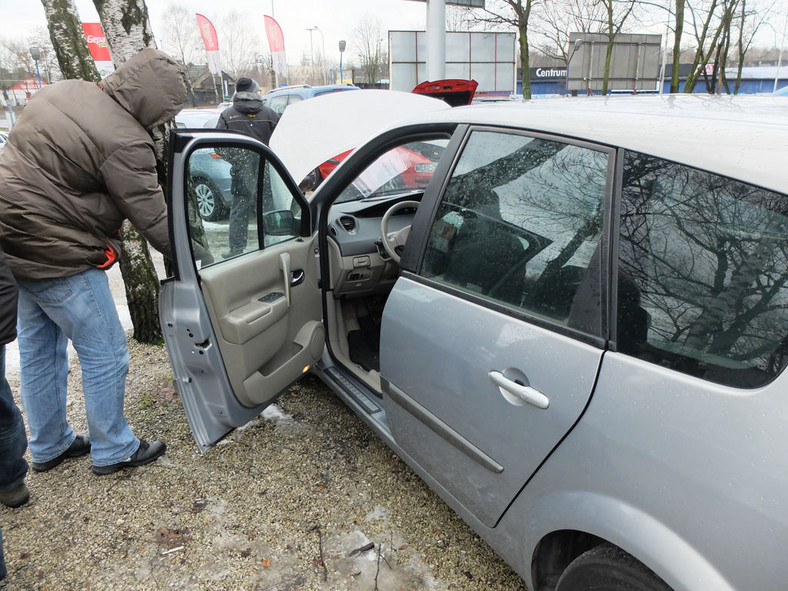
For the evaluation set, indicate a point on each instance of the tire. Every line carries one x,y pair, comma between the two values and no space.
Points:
608,568
209,200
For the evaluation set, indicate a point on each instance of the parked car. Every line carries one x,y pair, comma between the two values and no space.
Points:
279,99
782,92
576,333
209,171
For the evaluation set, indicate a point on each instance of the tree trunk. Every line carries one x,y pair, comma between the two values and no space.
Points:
126,25
127,28
68,40
701,59
525,59
674,77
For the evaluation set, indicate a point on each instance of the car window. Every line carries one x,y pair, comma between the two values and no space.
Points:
405,168
278,104
294,98
520,223
246,205
703,273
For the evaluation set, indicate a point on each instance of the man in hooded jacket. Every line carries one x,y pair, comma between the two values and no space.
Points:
247,115
78,162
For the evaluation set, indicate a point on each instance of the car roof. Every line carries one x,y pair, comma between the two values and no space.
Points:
741,137
306,90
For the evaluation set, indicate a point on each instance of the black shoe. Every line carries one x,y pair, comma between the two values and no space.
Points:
232,253
79,447
147,453
16,497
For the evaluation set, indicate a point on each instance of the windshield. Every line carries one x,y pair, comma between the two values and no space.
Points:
403,169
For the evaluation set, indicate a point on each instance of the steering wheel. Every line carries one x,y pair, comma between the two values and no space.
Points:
396,240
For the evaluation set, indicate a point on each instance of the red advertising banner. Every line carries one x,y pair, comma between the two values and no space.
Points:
276,40
208,33
99,49
97,42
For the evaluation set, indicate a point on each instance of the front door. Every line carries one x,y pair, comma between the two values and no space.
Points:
241,316
491,341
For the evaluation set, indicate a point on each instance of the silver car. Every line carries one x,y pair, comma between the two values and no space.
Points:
575,334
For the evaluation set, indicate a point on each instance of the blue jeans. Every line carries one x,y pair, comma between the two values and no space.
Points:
13,440
13,443
79,308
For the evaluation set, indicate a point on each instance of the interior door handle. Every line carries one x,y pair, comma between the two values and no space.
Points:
297,277
511,389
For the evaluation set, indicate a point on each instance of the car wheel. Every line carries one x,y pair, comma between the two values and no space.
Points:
610,568
209,201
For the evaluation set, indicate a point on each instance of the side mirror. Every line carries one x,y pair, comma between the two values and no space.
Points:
279,223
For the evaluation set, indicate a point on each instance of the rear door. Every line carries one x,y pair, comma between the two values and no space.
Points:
241,314
492,337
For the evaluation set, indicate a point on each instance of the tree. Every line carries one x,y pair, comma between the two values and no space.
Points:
748,23
181,39
556,20
616,13
68,40
368,46
127,28
705,47
239,45
677,33
513,13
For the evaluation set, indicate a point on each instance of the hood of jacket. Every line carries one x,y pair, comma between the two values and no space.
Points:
151,86
247,102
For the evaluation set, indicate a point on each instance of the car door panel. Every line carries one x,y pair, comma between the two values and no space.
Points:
491,343
465,433
263,341
241,330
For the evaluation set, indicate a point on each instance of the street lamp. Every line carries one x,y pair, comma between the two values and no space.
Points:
311,49
322,65
35,53
342,46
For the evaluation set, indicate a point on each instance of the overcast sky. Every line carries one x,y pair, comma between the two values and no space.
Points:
335,18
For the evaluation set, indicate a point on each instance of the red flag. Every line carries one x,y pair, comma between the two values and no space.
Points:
276,40
208,33
211,41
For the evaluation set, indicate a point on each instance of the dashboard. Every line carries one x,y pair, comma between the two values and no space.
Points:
359,265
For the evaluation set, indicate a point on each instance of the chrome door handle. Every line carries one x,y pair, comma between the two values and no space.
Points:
297,277
527,394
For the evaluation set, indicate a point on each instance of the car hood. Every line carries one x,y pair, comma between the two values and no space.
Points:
312,131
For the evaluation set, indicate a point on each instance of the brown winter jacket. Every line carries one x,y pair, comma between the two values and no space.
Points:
81,160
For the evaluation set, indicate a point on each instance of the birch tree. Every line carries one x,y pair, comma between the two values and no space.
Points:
68,40
127,28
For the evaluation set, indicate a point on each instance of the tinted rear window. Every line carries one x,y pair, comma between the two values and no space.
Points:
703,273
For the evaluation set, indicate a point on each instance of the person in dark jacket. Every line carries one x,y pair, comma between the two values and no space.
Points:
247,115
13,442
78,162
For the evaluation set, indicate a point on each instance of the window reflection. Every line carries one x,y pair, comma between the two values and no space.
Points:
225,189
703,273
520,223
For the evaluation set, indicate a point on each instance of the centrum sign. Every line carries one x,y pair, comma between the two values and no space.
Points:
548,73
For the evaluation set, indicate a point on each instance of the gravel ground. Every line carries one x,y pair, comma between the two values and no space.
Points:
292,501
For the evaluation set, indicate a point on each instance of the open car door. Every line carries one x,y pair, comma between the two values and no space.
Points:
241,315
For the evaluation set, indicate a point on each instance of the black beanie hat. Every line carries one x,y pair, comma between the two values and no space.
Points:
246,85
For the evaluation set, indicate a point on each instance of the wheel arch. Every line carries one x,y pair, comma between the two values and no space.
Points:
597,519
